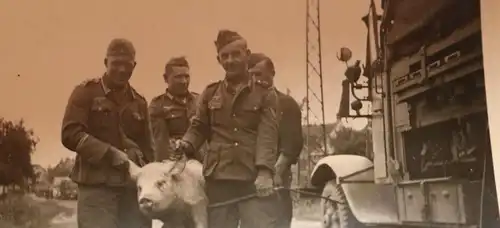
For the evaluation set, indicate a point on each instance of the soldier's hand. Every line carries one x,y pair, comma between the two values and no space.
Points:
278,180
137,155
264,183
118,157
181,149
282,165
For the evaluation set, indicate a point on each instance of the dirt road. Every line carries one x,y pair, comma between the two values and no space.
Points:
70,221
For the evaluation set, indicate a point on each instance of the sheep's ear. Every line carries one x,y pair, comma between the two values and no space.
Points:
133,170
177,170
178,166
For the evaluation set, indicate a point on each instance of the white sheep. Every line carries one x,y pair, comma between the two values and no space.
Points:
172,192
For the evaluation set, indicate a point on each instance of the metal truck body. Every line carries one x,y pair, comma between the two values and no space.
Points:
432,161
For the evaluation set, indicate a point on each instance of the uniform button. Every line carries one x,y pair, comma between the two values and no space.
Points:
236,144
235,129
234,115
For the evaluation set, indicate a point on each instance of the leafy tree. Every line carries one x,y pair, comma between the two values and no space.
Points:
62,169
17,143
41,175
315,137
343,139
346,140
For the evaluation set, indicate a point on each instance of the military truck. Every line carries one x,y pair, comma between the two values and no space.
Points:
65,188
424,80
43,189
68,190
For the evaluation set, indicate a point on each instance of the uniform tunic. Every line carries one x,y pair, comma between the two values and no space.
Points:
94,120
241,129
170,119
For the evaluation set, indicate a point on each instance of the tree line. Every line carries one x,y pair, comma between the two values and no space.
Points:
17,144
343,139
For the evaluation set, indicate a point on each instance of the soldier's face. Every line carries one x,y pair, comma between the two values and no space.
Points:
119,69
178,80
261,72
234,58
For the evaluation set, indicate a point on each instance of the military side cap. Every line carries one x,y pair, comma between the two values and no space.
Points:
120,47
225,37
177,61
256,58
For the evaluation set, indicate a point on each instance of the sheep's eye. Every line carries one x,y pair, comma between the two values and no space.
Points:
160,183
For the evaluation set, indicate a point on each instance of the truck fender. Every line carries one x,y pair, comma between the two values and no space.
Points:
370,203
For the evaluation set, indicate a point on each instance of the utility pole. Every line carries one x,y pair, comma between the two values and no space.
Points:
314,73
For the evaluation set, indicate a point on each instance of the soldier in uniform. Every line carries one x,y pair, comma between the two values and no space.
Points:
171,112
106,123
261,68
237,117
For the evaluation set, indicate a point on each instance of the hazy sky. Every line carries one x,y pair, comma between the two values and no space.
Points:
56,44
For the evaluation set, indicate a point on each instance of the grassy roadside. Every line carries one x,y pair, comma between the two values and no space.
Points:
307,209
26,211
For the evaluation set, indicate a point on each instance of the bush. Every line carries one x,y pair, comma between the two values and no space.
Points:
346,140
23,211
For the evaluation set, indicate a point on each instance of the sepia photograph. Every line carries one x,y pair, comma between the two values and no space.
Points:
251,114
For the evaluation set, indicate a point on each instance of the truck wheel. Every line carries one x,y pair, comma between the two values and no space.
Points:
336,212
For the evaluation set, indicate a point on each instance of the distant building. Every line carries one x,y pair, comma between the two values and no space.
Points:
41,174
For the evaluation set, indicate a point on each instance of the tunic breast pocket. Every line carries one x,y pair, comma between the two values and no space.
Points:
250,115
177,121
101,114
133,123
